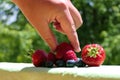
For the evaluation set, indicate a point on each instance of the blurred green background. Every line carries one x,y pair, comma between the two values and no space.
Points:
101,25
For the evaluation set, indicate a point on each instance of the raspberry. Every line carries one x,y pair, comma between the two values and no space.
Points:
39,57
62,49
51,57
70,55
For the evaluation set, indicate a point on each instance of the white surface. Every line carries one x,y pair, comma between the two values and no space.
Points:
14,66
91,72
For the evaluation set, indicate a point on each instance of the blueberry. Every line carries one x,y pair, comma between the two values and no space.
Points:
80,63
49,64
60,63
70,63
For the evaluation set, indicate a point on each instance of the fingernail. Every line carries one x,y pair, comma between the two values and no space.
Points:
78,49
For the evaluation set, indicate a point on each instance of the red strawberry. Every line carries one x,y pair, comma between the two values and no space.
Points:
51,57
39,57
93,55
62,49
70,55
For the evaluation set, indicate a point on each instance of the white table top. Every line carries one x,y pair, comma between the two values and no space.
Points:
103,72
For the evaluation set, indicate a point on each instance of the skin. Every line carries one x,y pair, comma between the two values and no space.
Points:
42,12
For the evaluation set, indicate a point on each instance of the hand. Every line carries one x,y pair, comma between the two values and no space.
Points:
62,13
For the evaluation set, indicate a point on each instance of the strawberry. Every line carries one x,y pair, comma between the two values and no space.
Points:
93,54
39,57
70,55
62,49
51,57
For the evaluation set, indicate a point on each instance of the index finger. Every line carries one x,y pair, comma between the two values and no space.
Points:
67,24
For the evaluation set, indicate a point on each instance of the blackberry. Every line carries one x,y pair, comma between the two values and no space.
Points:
70,63
80,63
60,63
49,64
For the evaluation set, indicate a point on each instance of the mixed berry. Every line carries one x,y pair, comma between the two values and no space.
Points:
64,56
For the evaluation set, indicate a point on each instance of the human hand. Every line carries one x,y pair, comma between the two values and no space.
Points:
62,13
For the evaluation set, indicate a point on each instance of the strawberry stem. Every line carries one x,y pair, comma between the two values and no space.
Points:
92,52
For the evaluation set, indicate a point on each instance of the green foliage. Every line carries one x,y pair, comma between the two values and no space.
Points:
15,44
101,24
112,47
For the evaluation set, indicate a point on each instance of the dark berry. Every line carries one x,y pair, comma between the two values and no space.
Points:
80,63
51,57
49,64
70,63
60,63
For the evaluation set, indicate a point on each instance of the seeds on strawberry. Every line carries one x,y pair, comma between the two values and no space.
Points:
93,54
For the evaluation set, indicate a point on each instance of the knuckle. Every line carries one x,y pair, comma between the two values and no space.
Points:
62,5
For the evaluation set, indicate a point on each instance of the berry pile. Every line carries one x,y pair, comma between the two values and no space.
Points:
65,56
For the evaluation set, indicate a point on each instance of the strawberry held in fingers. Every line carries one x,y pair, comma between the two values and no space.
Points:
93,54
39,57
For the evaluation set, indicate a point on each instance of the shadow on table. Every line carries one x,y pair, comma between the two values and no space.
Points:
36,69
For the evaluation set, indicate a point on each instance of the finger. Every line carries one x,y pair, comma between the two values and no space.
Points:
46,33
68,26
75,15
48,36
